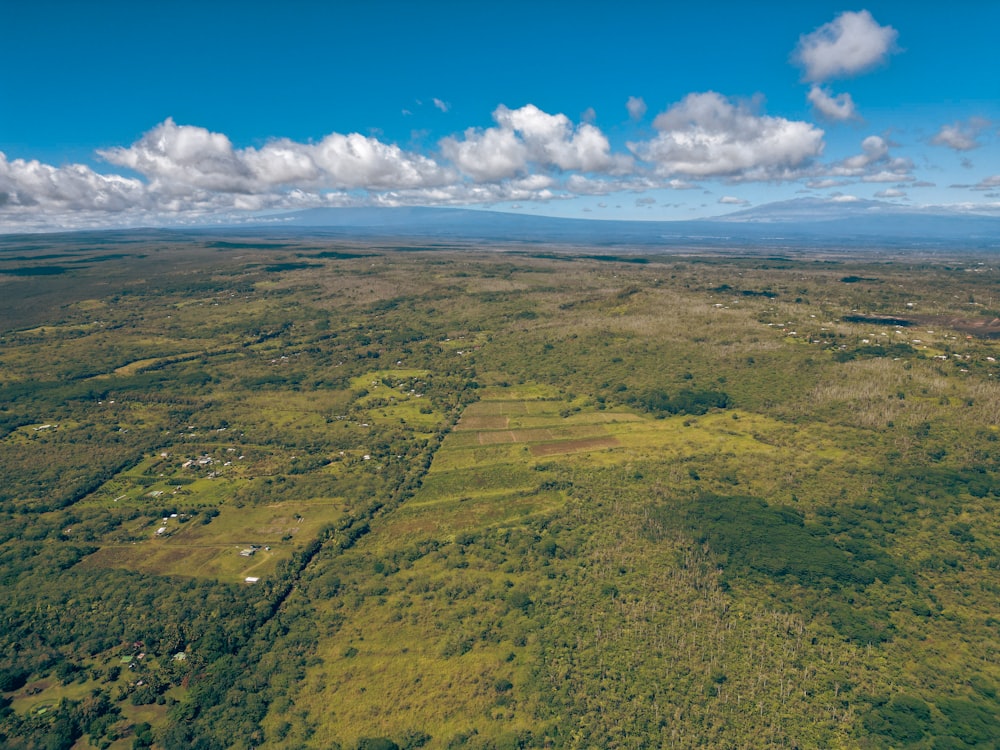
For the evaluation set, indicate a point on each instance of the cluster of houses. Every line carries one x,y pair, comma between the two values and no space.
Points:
203,460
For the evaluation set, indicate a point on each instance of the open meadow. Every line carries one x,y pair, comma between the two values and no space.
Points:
291,492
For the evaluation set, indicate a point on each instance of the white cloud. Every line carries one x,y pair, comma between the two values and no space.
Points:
184,173
825,183
186,156
579,184
706,135
176,158
36,186
443,106
849,44
636,107
839,107
552,140
874,164
961,136
530,136
888,175
357,161
487,156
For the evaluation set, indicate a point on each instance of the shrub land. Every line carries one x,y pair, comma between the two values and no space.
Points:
316,494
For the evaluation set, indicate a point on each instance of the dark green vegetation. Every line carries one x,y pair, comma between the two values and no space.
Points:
325,494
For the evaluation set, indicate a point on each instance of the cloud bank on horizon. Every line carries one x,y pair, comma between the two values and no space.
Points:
185,173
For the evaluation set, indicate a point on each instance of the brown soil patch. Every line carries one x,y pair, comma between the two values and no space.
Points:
150,559
573,446
483,422
983,328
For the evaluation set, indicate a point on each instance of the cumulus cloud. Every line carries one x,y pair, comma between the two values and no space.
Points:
443,106
357,161
874,149
184,173
551,139
849,44
961,136
191,171
636,107
489,155
176,158
839,107
875,163
185,155
33,185
707,135
528,136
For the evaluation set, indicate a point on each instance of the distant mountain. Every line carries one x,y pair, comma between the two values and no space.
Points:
815,209
802,222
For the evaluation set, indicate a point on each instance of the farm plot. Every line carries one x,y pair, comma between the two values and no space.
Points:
539,425
238,543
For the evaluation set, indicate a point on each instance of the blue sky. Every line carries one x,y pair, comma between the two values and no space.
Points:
118,114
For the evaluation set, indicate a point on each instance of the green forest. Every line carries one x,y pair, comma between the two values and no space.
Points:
303,492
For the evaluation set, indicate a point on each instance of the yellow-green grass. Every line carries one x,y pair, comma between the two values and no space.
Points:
463,343
28,432
212,550
289,409
405,668
161,558
504,397
47,694
446,518
484,475
194,490
414,412
66,328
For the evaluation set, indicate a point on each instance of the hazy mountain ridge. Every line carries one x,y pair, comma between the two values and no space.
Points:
802,221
